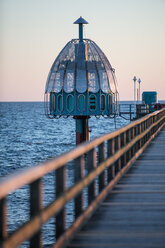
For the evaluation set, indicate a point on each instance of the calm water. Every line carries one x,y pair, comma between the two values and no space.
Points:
29,138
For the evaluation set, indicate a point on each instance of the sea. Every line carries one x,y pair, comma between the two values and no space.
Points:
29,138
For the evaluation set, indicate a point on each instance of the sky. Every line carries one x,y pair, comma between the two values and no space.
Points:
131,33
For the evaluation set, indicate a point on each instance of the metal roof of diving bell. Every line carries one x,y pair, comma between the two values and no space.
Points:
80,21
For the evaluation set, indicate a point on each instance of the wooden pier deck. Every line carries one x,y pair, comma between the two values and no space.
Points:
133,214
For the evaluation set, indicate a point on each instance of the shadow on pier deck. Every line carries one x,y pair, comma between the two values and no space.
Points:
133,213
123,208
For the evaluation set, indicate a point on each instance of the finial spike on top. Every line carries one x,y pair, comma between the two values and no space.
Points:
80,21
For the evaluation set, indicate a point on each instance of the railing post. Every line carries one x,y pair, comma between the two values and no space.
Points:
142,130
110,152
91,165
3,220
101,158
78,175
35,209
153,120
132,137
147,121
123,144
60,188
150,123
117,147
139,132
136,134
128,138
145,137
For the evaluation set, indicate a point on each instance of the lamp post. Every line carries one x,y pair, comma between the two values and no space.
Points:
139,81
134,79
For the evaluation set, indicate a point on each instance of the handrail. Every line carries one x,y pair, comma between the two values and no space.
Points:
123,146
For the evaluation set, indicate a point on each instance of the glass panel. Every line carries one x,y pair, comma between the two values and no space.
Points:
94,56
70,103
63,56
81,103
81,77
112,82
81,80
108,68
93,84
102,107
58,81
50,83
69,82
60,103
71,66
53,103
109,103
104,82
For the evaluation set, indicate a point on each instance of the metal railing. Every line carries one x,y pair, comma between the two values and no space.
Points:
127,111
134,111
106,159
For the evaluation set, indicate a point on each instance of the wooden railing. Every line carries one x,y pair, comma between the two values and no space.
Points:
106,159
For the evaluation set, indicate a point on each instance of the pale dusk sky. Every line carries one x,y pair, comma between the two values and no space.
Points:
130,32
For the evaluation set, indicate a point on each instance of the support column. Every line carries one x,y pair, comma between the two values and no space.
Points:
82,129
81,32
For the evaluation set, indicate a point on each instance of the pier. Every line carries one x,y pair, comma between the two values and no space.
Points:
123,174
133,213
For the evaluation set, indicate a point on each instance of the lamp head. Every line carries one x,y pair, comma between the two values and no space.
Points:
134,79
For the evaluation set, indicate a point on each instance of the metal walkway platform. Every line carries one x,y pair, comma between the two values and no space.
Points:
133,214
